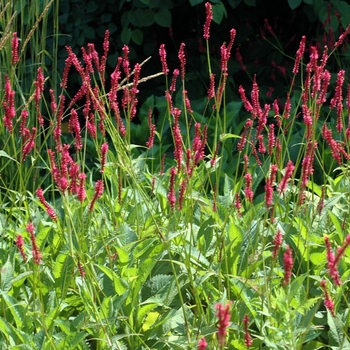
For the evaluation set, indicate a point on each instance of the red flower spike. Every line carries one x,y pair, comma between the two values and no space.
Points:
126,63
277,243
29,145
202,344
248,342
328,302
342,37
20,246
98,193
104,150
14,49
288,173
211,91
182,191
223,313
182,58
8,105
238,204
171,193
162,54
208,19
50,211
74,127
299,55
35,250
81,188
288,265
248,187
269,186
176,73
152,129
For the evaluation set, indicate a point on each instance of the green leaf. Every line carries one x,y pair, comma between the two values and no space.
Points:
120,285
195,2
89,32
207,231
309,2
250,2
63,272
293,4
234,3
91,7
163,18
125,35
233,249
219,11
336,330
12,335
144,18
6,276
17,310
106,17
137,36
4,154
224,137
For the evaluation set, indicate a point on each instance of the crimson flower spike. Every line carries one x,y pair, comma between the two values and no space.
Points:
50,211
14,51
208,19
20,246
35,248
202,344
288,265
98,193
328,302
300,54
171,193
223,313
248,342
162,54
182,58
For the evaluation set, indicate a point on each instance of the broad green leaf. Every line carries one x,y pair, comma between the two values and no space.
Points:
336,331
6,276
119,284
63,272
150,320
91,7
224,137
125,35
4,154
206,230
144,271
293,4
228,185
337,224
144,18
163,18
137,36
17,309
12,335
219,11
233,249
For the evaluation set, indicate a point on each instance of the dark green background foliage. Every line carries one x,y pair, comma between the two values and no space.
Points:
145,24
